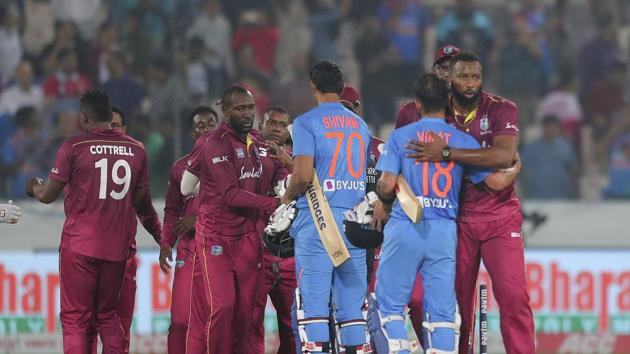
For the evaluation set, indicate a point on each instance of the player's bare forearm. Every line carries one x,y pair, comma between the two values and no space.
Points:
386,188
502,178
500,155
300,179
46,192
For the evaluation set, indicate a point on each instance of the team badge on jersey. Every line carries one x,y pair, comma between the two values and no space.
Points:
216,250
483,123
180,263
240,153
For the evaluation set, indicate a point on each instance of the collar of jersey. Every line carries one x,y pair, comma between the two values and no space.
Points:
330,104
435,120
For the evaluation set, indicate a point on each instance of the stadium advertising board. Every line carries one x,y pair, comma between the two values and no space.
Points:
571,293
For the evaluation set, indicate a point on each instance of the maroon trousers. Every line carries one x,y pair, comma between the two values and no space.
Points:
500,245
279,283
90,290
232,267
189,307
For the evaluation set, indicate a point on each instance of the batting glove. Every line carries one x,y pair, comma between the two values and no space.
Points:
281,219
10,213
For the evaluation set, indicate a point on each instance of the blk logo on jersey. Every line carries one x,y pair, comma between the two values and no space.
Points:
331,185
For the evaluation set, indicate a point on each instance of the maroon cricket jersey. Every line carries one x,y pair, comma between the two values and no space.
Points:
176,204
407,114
495,116
101,169
235,181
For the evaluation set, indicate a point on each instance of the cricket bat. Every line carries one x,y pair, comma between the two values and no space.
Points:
325,223
408,201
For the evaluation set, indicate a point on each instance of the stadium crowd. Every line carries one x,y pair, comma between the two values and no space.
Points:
563,62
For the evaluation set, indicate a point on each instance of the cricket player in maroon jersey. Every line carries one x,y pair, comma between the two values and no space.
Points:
189,306
409,111
151,222
104,176
279,280
237,173
489,224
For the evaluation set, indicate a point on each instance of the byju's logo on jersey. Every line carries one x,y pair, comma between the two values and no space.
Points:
331,185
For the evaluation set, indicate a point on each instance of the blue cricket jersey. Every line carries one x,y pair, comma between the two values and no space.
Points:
339,141
436,184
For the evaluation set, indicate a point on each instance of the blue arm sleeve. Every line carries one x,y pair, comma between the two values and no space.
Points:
390,157
303,139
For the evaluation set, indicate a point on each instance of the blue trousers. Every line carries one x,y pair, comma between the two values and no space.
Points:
317,278
429,248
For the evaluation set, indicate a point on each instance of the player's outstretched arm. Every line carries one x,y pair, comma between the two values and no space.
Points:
148,215
46,192
301,177
499,155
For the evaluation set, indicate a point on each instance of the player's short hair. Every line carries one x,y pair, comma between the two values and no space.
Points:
465,57
95,105
327,77
277,109
121,113
432,92
202,110
226,98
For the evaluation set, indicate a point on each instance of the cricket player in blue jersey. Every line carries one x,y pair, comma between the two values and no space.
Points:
428,246
335,142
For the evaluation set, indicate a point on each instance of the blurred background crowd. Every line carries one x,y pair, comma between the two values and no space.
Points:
564,62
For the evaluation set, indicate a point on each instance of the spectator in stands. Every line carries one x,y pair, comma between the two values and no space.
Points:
518,74
106,40
66,81
324,20
404,23
297,93
377,57
255,31
563,103
550,167
23,152
23,92
619,172
11,48
598,54
468,28
82,12
136,43
607,94
66,125
167,94
122,87
214,29
66,37
204,77
295,35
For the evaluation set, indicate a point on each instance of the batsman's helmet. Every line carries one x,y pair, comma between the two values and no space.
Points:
362,235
